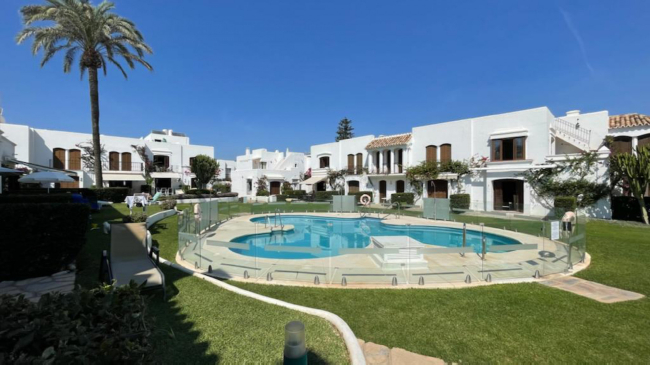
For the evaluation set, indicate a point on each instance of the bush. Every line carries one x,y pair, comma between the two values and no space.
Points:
168,204
40,239
222,188
227,195
45,198
136,217
295,194
281,198
565,203
627,208
115,195
459,201
263,193
325,195
358,195
199,192
402,198
104,325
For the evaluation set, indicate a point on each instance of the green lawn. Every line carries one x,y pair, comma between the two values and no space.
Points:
203,324
517,323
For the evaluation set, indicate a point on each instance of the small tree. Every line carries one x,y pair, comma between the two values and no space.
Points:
635,170
345,130
88,154
205,168
262,186
286,186
336,179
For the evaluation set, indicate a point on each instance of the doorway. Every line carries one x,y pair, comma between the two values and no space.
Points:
437,189
275,188
353,187
382,190
509,195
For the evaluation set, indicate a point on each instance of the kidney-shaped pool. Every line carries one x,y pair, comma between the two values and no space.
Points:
330,234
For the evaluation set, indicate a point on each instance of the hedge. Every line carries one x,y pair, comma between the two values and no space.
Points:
263,193
115,195
45,198
198,192
298,194
325,195
106,325
40,239
459,201
627,208
222,188
565,203
358,195
402,198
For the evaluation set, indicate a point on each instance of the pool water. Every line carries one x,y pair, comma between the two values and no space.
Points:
332,234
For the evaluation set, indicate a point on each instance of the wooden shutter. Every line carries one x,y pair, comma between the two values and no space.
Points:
445,153
75,160
114,161
432,153
359,163
126,161
399,186
498,194
644,140
350,164
70,185
353,187
58,158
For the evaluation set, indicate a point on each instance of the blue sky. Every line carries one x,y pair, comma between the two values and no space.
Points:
280,74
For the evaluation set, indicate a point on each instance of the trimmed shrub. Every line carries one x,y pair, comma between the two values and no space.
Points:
199,192
40,239
222,188
627,208
358,195
295,194
459,201
565,203
104,325
168,204
325,195
115,195
227,195
263,193
136,217
402,198
45,198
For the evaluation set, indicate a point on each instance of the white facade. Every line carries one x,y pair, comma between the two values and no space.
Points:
169,152
535,136
278,167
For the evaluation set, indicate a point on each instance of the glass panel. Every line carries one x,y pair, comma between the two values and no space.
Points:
496,150
519,148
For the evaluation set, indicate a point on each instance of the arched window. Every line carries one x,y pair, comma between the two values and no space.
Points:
324,162
432,153
114,161
359,163
350,164
74,162
58,158
445,152
126,161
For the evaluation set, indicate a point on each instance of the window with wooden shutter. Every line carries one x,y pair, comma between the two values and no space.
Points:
359,163
126,161
58,158
644,140
498,195
622,145
445,152
432,154
324,162
75,160
114,161
350,164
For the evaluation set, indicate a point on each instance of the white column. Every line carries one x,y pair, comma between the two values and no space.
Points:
393,160
635,143
380,167
370,162
66,159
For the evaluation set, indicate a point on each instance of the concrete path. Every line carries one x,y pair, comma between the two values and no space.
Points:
35,287
591,290
381,355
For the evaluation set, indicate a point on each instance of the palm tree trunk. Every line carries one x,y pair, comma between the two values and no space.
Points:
94,112
644,211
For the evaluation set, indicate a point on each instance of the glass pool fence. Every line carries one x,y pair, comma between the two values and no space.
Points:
470,246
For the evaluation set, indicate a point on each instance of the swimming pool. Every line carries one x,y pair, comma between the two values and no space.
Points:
330,234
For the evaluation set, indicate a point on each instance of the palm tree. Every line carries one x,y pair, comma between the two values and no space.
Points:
101,37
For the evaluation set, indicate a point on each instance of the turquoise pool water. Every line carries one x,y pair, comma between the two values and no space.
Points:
331,234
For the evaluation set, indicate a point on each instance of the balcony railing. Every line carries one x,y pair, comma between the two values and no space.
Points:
573,130
387,170
123,166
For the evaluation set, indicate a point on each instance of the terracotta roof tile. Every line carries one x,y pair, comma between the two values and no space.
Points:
628,120
389,141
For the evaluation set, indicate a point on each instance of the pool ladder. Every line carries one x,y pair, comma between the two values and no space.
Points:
276,216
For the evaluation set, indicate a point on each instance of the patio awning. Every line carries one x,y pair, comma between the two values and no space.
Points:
165,175
123,177
274,177
313,180
38,167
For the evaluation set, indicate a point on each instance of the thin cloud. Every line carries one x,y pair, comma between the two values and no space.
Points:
576,35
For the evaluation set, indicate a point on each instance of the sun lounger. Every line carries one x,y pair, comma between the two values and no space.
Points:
129,258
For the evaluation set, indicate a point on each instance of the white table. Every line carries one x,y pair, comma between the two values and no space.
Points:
133,200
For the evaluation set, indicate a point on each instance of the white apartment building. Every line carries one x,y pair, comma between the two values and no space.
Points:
168,151
278,167
226,168
510,144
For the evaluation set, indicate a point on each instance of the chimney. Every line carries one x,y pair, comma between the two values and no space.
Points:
573,113
165,131
169,132
248,151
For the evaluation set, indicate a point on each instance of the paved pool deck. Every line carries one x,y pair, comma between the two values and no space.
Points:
443,270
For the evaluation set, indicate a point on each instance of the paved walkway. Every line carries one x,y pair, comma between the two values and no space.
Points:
591,290
35,287
382,355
